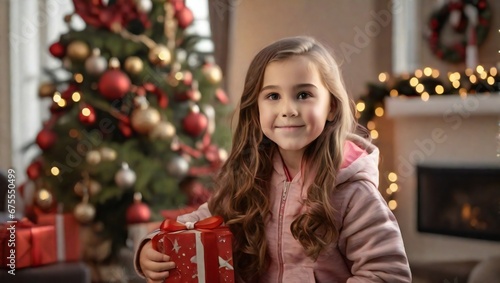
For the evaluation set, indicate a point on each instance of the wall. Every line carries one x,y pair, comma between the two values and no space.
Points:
359,37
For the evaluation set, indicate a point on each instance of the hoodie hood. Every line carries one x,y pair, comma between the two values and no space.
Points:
361,160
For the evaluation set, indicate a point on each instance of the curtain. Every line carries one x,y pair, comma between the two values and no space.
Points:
220,12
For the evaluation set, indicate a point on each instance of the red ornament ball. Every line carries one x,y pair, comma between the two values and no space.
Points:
184,17
87,115
195,123
33,170
138,212
125,129
178,4
57,50
114,84
221,96
46,139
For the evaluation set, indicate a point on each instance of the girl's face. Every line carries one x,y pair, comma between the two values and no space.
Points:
294,104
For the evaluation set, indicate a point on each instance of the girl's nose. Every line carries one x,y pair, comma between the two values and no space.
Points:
288,108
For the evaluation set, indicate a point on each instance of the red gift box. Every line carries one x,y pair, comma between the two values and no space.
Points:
67,235
202,251
32,245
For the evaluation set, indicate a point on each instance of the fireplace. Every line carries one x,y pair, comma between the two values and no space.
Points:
459,201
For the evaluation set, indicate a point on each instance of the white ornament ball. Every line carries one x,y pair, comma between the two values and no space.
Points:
144,6
96,64
125,177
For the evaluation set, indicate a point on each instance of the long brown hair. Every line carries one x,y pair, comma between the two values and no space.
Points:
242,185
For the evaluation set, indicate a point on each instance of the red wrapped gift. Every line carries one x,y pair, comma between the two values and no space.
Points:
202,251
33,245
67,235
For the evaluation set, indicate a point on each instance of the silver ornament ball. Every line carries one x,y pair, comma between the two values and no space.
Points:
178,166
125,177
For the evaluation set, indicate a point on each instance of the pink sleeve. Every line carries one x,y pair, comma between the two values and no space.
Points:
201,213
370,237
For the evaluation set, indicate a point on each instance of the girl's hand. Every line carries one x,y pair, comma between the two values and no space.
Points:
154,264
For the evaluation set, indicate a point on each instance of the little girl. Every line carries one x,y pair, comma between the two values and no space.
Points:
299,189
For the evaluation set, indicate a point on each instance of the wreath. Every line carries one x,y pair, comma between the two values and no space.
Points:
478,19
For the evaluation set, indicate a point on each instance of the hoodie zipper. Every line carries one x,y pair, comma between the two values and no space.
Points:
286,186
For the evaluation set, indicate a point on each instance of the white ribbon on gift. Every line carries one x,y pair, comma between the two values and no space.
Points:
60,239
200,256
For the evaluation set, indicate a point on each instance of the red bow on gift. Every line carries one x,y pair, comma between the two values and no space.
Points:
169,225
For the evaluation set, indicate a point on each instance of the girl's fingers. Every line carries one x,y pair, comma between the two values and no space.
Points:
158,266
157,277
154,255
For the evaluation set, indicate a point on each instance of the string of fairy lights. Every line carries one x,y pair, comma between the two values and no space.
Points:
423,83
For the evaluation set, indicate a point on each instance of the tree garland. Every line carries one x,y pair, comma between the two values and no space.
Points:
456,52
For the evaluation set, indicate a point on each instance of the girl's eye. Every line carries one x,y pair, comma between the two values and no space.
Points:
273,96
303,95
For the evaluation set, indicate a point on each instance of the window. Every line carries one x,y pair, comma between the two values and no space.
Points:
34,25
201,25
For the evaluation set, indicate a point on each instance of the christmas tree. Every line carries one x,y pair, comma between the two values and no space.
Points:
133,114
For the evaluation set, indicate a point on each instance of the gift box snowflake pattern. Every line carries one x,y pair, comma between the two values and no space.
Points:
202,251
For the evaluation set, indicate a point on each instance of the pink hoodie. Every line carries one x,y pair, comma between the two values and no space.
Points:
369,247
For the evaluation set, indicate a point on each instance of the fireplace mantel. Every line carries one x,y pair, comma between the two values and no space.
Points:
475,104
448,130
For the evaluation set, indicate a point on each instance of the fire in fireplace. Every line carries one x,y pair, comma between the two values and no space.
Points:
459,201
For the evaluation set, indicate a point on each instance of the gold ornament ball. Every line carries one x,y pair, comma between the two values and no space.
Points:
163,131
144,120
78,50
44,199
213,73
94,188
84,212
160,55
114,63
93,157
107,154
46,89
134,65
